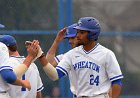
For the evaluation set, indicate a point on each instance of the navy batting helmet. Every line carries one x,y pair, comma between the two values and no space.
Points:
90,24
71,32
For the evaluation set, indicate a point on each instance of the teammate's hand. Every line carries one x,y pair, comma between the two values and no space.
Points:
60,35
40,52
26,84
28,43
33,48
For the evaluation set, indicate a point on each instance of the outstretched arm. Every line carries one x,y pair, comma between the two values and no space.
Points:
48,68
9,76
38,95
32,53
23,83
52,51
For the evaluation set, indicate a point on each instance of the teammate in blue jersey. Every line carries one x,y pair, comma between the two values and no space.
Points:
31,74
94,68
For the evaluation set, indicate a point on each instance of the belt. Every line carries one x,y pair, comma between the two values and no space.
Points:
90,96
76,96
3,91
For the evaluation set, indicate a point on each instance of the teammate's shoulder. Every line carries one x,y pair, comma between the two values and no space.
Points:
60,55
2,44
105,49
19,59
77,48
3,47
74,50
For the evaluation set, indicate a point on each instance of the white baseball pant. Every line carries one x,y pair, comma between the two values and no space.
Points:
98,96
4,95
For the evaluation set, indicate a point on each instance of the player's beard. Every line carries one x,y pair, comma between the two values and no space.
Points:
81,42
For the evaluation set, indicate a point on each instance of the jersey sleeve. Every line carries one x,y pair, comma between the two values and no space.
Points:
113,68
64,66
4,57
40,86
58,58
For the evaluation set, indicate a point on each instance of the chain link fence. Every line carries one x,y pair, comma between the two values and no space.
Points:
126,49
29,19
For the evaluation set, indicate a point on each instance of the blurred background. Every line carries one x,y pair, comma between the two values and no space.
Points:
42,19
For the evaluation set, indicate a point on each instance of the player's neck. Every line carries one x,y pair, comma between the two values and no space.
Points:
14,53
89,46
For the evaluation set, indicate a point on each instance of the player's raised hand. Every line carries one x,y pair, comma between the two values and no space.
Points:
60,35
28,43
26,84
33,48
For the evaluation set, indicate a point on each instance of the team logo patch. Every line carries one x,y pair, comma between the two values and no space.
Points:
79,23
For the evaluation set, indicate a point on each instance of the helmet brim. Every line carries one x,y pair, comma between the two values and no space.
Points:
85,29
70,35
81,28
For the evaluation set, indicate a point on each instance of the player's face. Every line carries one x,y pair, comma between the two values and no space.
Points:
82,37
73,41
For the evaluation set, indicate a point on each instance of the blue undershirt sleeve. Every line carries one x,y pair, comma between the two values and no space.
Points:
60,73
8,75
119,82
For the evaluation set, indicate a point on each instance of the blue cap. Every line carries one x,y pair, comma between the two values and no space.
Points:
8,40
71,32
2,26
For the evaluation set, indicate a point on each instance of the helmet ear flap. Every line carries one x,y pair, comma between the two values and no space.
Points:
92,36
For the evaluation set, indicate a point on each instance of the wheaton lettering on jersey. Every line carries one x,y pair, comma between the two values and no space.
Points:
87,64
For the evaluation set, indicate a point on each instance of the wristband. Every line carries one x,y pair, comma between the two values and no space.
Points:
42,55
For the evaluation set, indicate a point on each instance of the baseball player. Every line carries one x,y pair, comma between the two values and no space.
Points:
31,74
71,36
6,72
94,68
7,75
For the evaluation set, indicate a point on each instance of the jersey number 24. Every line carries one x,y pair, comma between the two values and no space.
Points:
94,80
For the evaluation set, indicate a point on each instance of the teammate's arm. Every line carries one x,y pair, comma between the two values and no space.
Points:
9,76
48,68
115,74
23,83
38,95
32,53
59,71
116,88
52,51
